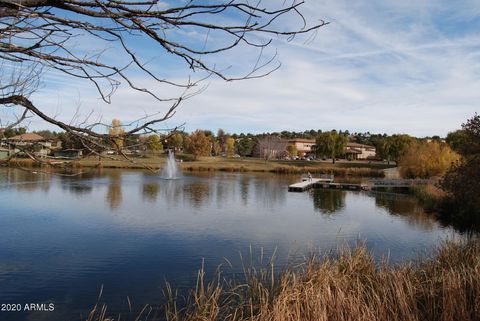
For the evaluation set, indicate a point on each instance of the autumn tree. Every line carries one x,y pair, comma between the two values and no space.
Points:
330,144
77,39
116,133
426,159
230,146
292,150
175,141
153,143
199,144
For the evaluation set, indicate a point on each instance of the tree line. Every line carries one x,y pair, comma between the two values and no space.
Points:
330,144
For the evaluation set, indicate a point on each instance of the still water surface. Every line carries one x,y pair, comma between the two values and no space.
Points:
62,238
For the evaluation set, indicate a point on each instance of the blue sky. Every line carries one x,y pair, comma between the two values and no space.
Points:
379,66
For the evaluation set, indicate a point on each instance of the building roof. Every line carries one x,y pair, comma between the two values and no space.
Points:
357,145
32,137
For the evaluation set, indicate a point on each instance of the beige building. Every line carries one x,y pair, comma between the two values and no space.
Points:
360,151
303,145
41,146
352,151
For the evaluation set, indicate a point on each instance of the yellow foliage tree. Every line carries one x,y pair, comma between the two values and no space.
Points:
116,131
199,144
292,150
427,159
230,146
153,144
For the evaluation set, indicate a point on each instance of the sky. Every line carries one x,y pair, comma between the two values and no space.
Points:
382,66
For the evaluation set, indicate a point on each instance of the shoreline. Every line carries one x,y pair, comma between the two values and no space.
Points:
220,164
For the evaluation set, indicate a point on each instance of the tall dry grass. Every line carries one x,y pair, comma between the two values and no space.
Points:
285,169
347,286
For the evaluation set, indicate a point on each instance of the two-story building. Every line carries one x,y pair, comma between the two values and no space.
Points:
356,151
304,146
353,151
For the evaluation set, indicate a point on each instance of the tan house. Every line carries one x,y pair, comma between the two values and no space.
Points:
303,145
41,145
353,151
360,151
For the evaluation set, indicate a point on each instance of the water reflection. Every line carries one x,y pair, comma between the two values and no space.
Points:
79,185
25,180
63,241
268,192
244,184
114,193
204,190
406,207
197,193
328,201
150,191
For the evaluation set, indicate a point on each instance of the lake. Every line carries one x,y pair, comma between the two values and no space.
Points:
62,238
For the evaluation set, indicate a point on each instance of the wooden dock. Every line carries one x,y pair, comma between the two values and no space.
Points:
372,185
325,183
308,183
343,186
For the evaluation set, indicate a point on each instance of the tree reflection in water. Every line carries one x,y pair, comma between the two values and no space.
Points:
408,208
270,191
150,191
114,193
197,193
244,188
328,201
165,190
79,184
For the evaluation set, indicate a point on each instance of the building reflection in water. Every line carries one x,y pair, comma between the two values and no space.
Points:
25,180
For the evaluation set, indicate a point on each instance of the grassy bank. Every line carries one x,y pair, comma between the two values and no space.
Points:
226,165
345,286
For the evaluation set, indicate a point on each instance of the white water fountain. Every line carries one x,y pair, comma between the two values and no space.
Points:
171,170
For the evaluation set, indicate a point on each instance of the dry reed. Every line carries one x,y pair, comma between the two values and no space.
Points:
347,286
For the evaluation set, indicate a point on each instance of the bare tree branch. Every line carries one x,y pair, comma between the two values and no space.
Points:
41,35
